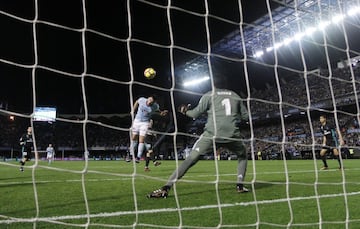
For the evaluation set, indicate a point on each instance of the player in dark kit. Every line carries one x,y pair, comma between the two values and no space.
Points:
26,142
331,140
224,109
150,140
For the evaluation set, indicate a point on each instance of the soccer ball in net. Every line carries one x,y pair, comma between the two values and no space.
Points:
149,73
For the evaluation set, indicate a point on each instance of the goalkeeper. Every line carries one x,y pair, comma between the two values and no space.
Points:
224,108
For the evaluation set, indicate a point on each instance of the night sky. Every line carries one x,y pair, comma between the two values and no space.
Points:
109,71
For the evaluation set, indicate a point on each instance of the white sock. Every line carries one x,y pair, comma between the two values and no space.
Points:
140,149
133,145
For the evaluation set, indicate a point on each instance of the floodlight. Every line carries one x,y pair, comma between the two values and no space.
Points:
337,18
310,31
353,11
258,54
278,45
196,81
323,25
298,36
287,41
269,49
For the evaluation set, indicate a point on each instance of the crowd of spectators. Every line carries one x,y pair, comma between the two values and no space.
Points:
68,135
302,96
300,137
294,132
316,89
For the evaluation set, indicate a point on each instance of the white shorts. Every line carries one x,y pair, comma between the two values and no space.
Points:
49,156
140,128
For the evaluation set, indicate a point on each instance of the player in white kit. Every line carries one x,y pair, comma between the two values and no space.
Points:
145,108
50,153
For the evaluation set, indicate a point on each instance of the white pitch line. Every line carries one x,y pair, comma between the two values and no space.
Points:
186,177
62,181
112,214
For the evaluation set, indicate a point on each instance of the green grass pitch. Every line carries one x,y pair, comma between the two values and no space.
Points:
112,194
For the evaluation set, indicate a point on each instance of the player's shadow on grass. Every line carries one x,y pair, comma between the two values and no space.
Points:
261,185
224,187
257,185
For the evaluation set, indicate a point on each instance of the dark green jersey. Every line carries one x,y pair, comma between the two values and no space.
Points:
223,106
26,142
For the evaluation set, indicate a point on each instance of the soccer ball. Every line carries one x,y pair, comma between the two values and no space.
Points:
149,73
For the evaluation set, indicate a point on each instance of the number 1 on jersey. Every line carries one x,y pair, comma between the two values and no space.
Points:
227,105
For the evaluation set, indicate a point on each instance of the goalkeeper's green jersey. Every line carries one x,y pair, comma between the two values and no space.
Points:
224,109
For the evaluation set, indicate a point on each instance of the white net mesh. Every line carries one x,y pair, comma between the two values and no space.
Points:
291,61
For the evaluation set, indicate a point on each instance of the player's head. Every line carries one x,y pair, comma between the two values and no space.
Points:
151,100
322,119
29,130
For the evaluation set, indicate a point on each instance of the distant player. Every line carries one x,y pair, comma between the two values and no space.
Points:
332,138
144,108
224,108
50,153
26,143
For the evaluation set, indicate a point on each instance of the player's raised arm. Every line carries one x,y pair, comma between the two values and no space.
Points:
201,108
183,108
21,141
160,112
136,106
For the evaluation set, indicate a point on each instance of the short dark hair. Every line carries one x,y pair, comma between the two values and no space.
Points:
153,96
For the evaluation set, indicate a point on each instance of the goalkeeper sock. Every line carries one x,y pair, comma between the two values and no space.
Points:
241,170
166,187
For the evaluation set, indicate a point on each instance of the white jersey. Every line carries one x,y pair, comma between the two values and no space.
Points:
50,152
144,111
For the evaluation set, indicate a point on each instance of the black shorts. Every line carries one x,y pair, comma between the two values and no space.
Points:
26,155
329,148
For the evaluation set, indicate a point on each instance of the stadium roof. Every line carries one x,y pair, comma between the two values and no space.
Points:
288,19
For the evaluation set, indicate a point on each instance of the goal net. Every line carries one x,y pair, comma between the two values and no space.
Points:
81,64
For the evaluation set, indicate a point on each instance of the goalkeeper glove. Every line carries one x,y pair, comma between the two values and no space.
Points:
184,108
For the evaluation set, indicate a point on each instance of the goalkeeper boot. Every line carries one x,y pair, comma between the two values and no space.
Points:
147,169
241,189
159,193
324,168
157,163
